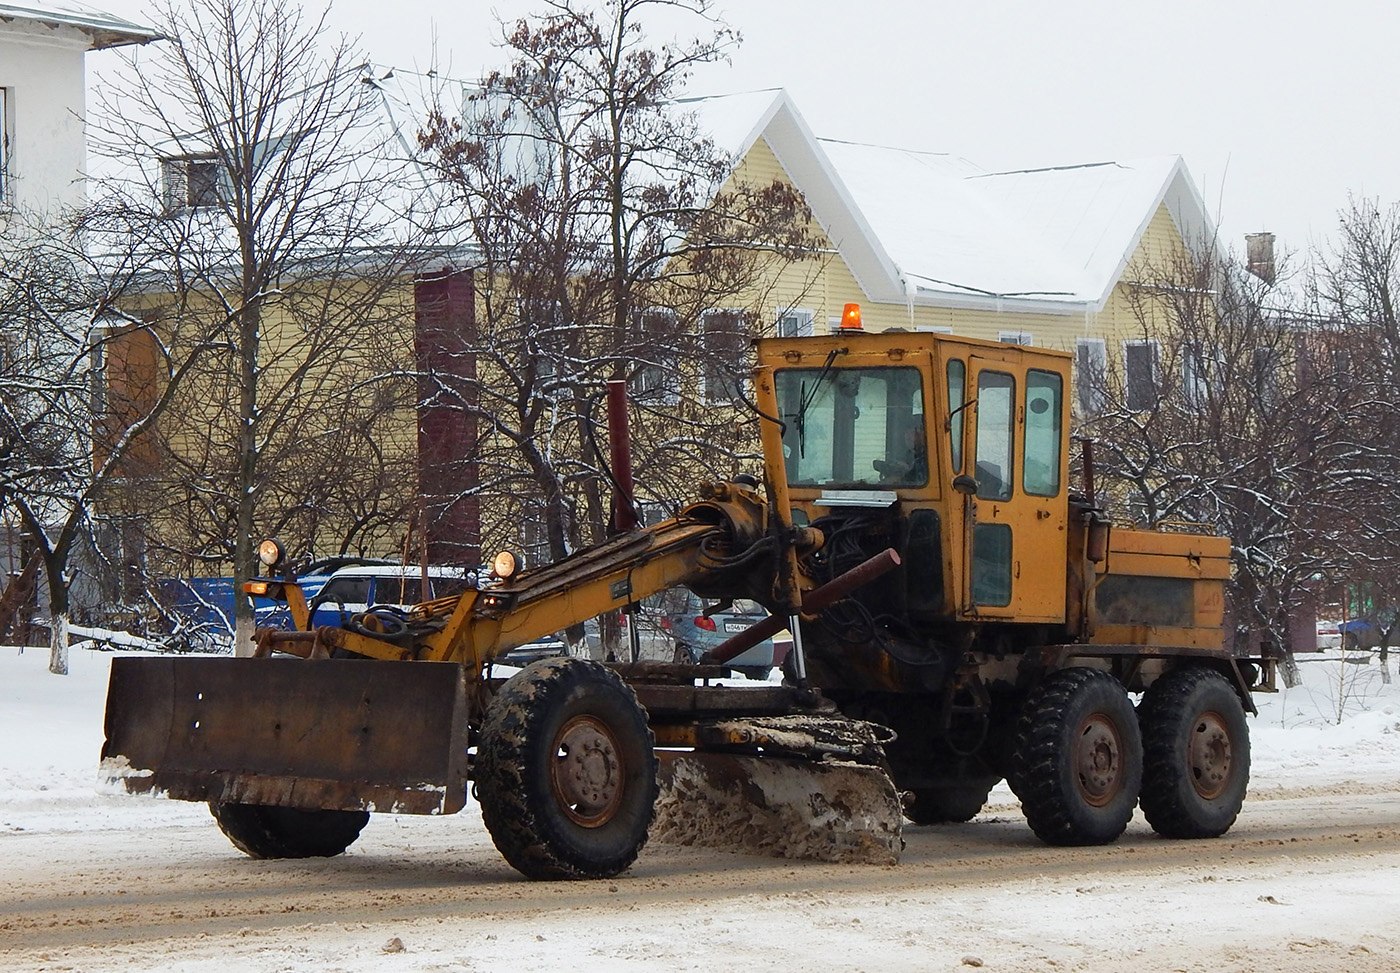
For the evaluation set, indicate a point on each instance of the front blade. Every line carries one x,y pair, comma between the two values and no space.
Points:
335,734
831,810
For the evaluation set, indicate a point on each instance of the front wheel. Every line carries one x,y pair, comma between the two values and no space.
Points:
264,831
566,771
1196,754
1078,760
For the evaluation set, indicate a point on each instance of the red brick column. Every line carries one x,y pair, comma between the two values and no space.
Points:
444,328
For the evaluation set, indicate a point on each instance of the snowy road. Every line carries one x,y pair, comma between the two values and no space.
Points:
1305,881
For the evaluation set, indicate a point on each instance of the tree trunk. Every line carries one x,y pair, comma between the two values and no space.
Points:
58,643
249,322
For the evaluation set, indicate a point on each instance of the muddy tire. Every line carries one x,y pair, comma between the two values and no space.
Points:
565,771
1078,758
1195,744
957,802
263,831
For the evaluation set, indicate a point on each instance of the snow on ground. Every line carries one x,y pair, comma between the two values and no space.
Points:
1327,743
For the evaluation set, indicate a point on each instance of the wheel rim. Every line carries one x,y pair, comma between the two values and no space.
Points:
1098,760
587,773
1209,755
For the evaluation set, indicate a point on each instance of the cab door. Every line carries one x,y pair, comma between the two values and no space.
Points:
1017,543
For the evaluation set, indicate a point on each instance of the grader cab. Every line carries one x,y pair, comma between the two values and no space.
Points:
959,616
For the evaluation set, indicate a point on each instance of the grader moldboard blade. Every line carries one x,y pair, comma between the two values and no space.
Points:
805,789
309,734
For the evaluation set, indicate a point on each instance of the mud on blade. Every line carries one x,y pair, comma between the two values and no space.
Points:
342,734
814,790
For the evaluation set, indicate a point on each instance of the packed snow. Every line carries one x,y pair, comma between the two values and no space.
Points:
419,894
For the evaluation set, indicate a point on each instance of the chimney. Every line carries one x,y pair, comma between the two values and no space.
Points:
1259,255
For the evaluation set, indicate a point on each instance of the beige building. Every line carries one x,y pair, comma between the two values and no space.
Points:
1055,257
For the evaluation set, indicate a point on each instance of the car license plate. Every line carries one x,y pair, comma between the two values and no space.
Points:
735,626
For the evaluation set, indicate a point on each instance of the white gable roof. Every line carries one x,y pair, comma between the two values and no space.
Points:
103,29
937,229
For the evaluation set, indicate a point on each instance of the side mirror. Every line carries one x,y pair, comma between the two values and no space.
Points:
965,485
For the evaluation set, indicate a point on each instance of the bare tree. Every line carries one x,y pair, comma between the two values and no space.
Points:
246,153
1353,294
611,245
1221,419
60,448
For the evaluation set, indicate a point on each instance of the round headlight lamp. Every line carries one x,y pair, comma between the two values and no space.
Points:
505,565
271,553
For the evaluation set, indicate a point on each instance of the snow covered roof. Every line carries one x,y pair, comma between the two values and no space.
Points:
938,229
103,29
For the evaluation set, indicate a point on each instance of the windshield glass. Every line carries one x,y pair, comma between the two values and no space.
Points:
853,427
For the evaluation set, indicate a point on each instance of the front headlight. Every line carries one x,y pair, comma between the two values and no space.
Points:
270,553
504,565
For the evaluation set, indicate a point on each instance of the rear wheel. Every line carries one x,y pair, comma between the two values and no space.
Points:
1078,759
566,773
1196,754
264,831
954,803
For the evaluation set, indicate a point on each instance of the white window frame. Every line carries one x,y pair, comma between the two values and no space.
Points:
933,329
1156,366
1264,374
7,112
1023,338
713,396
1198,370
658,382
794,322
1090,391
175,183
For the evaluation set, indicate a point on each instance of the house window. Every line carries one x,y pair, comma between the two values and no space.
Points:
1140,368
795,322
1091,375
1265,364
724,337
656,379
191,182
1195,377
6,121
1016,337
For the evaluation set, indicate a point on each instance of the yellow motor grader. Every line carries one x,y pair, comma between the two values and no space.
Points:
959,616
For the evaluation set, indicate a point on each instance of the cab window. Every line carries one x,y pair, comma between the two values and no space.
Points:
853,427
957,390
1041,475
996,414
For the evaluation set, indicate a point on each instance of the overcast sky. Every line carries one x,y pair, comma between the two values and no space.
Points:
1280,108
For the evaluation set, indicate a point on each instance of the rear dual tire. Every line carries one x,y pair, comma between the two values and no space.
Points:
1196,754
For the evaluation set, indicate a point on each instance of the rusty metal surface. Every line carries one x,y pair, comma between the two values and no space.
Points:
664,702
298,733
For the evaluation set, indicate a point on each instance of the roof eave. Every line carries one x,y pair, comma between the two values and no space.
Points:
1188,212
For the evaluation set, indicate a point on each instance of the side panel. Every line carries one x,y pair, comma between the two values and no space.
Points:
1161,589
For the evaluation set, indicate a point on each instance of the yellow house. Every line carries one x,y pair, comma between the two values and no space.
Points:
1055,257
